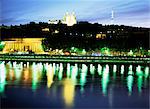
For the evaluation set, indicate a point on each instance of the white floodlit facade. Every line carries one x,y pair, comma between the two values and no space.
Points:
69,19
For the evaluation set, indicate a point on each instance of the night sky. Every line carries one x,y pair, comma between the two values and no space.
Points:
126,12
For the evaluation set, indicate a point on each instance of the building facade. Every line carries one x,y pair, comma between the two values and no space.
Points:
23,45
69,19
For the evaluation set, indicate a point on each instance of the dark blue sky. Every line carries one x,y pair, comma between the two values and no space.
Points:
127,12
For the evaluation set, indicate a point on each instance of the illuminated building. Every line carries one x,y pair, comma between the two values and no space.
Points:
56,31
100,36
45,29
23,45
69,19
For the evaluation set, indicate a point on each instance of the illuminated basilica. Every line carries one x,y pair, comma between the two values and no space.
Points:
69,19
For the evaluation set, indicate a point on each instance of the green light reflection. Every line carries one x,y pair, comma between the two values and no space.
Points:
130,72
92,69
57,67
114,68
114,71
122,69
130,68
105,79
139,83
83,75
99,69
146,74
2,77
130,83
60,74
34,76
139,72
74,72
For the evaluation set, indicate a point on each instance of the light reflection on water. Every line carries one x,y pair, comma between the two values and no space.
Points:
2,77
105,79
72,75
69,91
49,74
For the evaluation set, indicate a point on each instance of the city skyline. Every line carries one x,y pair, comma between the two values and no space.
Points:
131,12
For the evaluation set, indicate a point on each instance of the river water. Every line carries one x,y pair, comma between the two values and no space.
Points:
73,85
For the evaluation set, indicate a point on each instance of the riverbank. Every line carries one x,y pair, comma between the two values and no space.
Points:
78,59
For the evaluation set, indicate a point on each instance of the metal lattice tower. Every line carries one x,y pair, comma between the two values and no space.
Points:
112,17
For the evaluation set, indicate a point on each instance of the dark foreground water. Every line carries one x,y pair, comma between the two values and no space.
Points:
58,85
